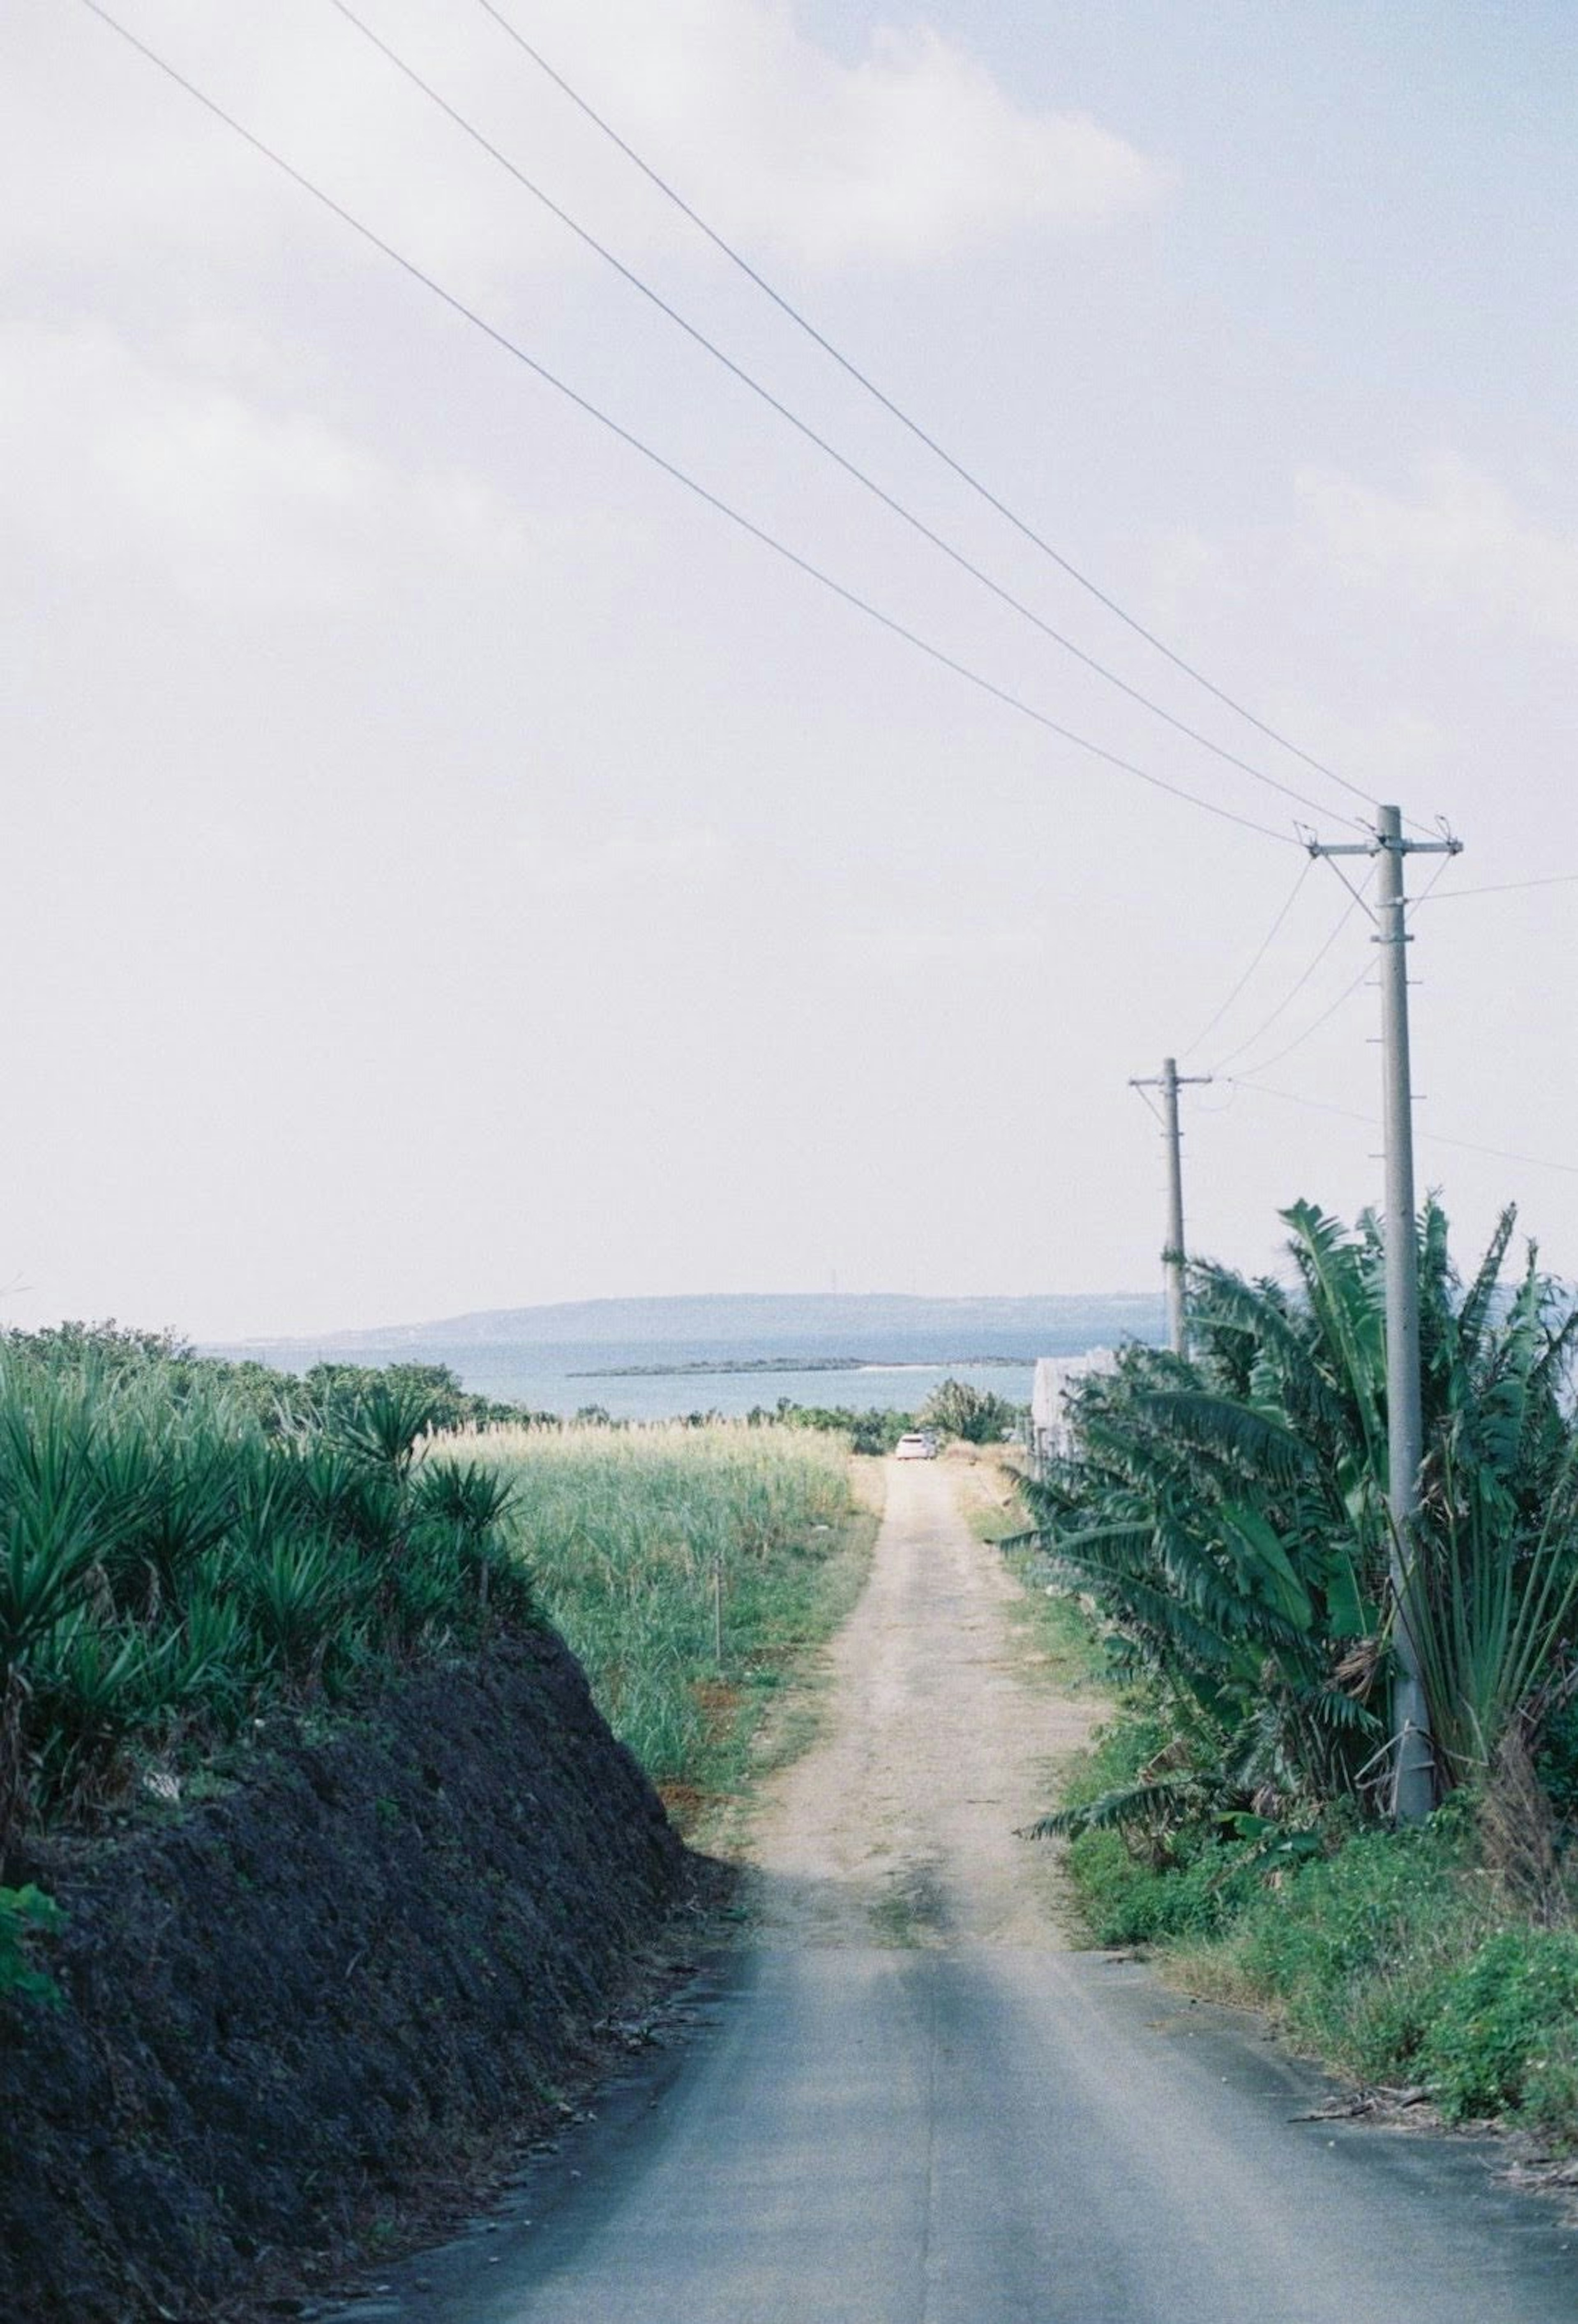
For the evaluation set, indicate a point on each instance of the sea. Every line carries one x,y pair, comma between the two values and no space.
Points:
655,1380
739,1355
569,1378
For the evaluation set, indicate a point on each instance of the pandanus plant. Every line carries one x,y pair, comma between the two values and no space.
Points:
170,1565
1227,1514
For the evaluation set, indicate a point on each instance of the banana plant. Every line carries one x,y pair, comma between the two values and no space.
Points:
1228,1515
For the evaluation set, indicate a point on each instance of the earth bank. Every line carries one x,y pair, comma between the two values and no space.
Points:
280,2010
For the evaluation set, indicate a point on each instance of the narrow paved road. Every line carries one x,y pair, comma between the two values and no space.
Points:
906,2101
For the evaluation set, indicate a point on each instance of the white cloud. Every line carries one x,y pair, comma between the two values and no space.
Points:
909,154
1458,545
133,462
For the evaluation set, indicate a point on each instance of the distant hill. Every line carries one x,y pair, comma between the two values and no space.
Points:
868,1325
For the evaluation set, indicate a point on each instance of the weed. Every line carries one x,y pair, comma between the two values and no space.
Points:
1501,2036
24,1913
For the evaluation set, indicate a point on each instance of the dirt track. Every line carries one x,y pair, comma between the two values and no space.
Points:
942,1740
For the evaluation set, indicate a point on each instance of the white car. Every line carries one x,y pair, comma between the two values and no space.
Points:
914,1446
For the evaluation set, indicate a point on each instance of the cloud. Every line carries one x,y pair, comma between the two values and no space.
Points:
1458,545
137,463
909,153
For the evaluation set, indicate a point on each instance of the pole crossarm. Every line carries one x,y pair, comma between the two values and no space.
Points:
1385,843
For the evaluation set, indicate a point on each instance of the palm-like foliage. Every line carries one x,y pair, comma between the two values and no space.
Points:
168,1562
1228,1514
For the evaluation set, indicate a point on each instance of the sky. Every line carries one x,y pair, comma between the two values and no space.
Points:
449,865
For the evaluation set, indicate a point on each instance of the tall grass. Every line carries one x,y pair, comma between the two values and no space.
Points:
651,1547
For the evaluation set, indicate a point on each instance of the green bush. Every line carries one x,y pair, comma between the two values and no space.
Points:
282,1402
974,1414
1227,1514
1145,1879
1501,2038
170,1563
1352,1948
26,1912
1395,1956
1556,1761
874,1430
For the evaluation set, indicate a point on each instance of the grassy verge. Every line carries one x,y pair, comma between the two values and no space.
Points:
1064,1638
987,1485
1401,1961
693,1570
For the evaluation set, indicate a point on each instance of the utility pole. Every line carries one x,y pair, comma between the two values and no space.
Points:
1170,1082
1413,1765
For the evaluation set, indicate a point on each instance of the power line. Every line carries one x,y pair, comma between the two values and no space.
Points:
1434,881
1498,1153
863,380
1268,939
669,468
1439,1137
1291,995
747,380
1263,1065
1506,887
1312,1104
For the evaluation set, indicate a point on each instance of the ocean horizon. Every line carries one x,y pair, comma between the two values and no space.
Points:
858,1360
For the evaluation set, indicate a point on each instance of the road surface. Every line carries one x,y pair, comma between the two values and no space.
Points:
905,2100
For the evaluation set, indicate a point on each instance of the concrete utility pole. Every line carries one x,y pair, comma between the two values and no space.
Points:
1413,1764
1170,1082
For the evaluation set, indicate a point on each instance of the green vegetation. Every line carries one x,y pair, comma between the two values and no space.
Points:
954,1408
1405,1960
171,1567
281,1401
186,1543
1225,1518
874,1430
651,1548
976,1415
25,1912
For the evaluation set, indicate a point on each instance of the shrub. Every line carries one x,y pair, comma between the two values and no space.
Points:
1142,1877
168,1562
1227,1513
1501,2036
974,1414
1352,1950
25,1912
875,1430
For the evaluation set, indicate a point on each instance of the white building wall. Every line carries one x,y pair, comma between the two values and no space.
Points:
1053,1378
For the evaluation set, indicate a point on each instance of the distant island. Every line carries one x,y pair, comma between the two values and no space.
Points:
651,1358
724,1365
831,1324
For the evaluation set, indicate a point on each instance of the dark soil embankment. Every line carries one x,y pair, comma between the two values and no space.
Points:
284,2008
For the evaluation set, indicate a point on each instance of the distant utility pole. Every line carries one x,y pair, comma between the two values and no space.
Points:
1170,1082
1414,1770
